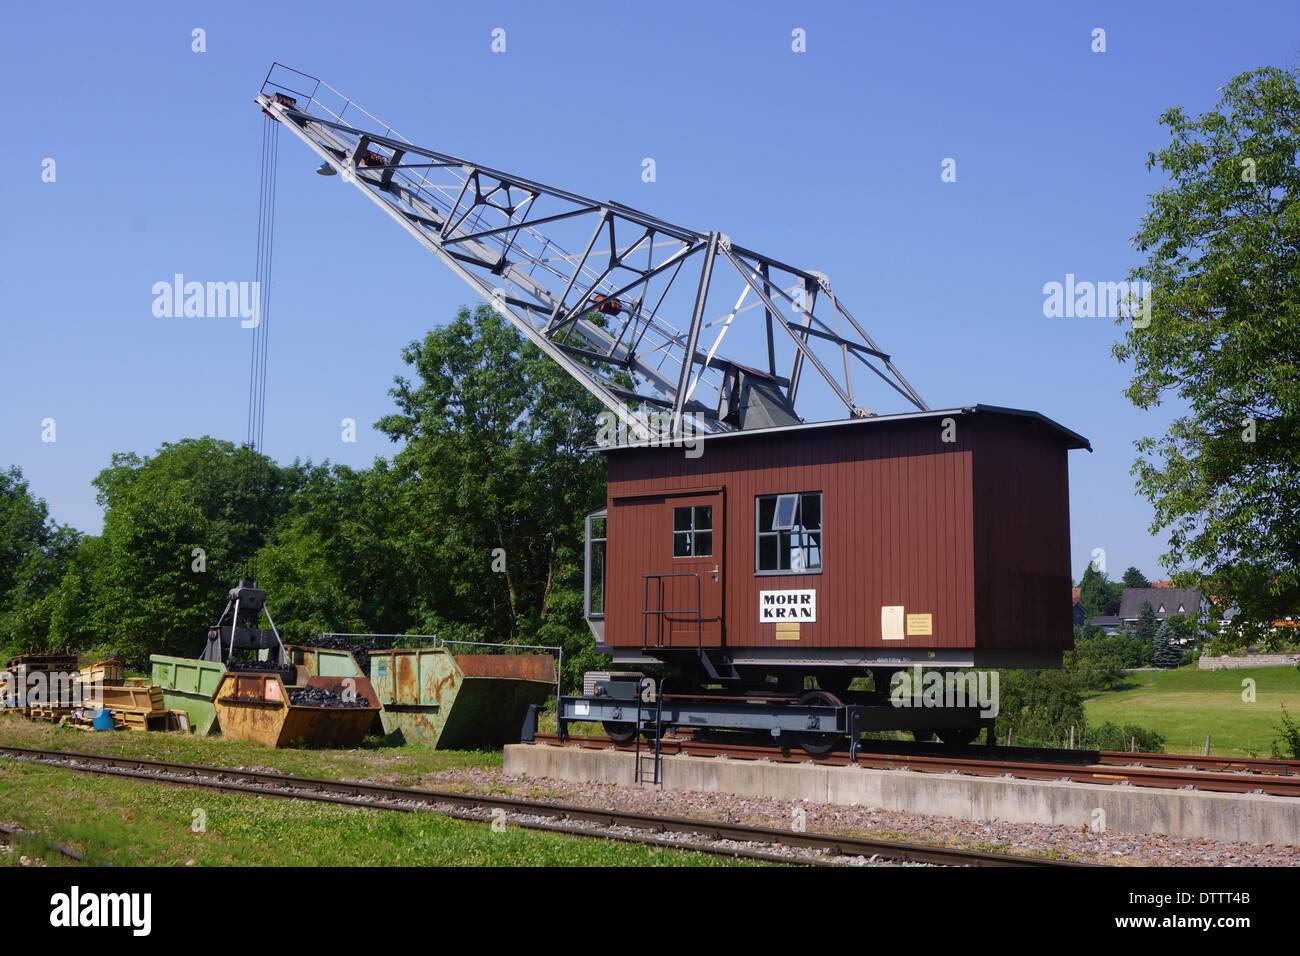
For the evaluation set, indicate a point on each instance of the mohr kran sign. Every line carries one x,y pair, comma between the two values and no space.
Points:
775,606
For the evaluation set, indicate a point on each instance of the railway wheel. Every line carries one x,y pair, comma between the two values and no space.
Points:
621,732
815,744
960,736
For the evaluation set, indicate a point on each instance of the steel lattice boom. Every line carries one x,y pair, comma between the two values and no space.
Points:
635,308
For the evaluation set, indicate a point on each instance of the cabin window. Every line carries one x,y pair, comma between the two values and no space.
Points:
789,536
693,531
595,566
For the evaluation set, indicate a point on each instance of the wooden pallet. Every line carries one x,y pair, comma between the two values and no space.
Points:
51,714
86,723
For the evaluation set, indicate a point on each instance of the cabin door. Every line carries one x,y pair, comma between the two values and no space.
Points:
683,591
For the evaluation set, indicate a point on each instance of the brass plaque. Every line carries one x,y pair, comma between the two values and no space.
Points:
920,625
787,631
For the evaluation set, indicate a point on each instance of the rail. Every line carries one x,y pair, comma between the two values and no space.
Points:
719,838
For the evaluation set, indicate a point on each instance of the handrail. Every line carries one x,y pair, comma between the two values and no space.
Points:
646,613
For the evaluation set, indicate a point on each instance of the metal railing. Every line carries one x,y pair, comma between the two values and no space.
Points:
659,611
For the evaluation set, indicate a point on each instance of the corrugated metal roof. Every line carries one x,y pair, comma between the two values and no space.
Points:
1073,439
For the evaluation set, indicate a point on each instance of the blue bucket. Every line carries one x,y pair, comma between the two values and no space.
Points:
103,720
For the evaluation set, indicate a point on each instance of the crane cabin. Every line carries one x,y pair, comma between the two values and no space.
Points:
935,539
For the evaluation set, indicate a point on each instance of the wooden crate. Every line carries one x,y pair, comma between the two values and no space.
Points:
111,671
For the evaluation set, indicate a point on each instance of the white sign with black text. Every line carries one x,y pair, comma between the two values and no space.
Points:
778,606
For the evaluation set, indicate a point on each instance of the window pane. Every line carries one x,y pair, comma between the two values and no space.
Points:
798,556
766,508
767,552
704,517
785,512
810,511
682,544
598,527
598,578
681,519
815,549
703,543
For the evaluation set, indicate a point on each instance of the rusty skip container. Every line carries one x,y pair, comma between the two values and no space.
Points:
255,707
458,701
189,685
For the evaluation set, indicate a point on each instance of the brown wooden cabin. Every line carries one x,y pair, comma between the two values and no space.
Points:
939,538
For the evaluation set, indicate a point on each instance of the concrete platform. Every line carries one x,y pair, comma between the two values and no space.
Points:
1248,818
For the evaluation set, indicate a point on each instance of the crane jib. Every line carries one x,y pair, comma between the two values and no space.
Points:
635,308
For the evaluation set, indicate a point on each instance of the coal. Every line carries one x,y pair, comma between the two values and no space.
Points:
323,697
360,649
261,667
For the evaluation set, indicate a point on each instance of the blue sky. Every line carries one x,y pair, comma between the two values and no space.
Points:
829,159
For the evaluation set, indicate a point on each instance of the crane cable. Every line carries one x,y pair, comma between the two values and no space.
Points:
256,419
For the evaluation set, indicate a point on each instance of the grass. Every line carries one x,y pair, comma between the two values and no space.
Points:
1186,704
376,760
130,823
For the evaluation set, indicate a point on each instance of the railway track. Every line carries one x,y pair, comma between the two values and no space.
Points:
704,836
1162,771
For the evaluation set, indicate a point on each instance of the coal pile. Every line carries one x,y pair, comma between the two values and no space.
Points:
360,649
260,667
321,697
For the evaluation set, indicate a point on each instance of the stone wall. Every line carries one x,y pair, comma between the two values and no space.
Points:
1248,660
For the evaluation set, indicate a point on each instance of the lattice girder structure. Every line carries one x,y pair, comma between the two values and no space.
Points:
632,306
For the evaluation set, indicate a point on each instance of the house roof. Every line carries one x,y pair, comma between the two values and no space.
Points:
1171,599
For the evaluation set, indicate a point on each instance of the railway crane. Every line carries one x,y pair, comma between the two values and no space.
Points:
816,540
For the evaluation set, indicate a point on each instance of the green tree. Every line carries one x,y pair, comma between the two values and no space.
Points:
1223,339
495,438
1093,595
1133,578
346,557
1099,668
1040,706
1166,654
180,529
1145,632
34,555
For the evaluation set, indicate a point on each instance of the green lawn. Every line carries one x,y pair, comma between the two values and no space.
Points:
126,822
376,760
1187,703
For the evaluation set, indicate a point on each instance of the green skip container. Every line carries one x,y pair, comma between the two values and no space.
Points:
458,701
189,685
